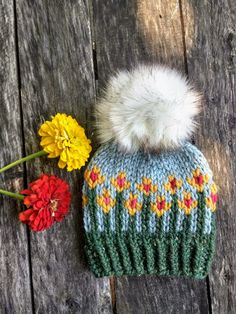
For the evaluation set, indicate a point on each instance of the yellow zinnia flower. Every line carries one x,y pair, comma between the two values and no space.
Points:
63,137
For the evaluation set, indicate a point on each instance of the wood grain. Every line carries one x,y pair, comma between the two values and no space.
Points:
15,294
151,294
211,58
131,32
56,74
56,70
127,33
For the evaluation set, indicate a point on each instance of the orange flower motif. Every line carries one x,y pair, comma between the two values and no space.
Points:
188,203
147,187
160,206
84,200
212,200
132,204
105,201
93,177
120,182
198,180
172,185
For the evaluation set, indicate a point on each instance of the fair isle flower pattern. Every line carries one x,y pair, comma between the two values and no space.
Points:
146,187
188,203
160,206
105,201
198,180
212,199
93,177
120,182
156,212
132,204
173,184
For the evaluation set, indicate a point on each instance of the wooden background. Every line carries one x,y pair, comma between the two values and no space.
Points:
55,56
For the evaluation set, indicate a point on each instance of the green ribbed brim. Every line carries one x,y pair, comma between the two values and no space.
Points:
132,254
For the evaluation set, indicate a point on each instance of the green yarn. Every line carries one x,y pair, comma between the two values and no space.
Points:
149,254
182,257
135,247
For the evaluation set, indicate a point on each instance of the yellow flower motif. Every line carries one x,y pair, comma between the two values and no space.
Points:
160,206
105,201
146,186
172,185
198,180
63,137
120,182
188,203
84,200
212,200
132,204
93,177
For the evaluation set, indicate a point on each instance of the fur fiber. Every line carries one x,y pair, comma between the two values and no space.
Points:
149,107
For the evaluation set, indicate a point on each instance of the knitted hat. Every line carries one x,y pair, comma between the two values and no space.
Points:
149,199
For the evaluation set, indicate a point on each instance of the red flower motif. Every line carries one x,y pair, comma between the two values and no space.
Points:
120,182
48,200
105,201
198,180
146,187
132,204
93,177
160,206
188,203
214,198
172,185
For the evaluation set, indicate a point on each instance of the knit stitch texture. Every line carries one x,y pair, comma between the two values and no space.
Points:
149,213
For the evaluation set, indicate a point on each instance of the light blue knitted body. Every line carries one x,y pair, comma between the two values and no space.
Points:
187,208
180,163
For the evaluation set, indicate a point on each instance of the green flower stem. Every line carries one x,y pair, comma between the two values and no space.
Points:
14,195
19,161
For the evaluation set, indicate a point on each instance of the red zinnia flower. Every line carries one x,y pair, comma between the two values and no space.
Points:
48,200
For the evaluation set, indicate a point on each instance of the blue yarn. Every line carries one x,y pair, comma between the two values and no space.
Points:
112,219
87,219
166,221
125,221
180,219
207,223
138,222
193,224
152,223
100,219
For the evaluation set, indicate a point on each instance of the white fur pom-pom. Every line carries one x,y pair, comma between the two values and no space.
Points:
150,107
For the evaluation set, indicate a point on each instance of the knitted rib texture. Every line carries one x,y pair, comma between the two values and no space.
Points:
147,213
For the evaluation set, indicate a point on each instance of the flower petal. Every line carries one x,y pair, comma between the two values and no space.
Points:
64,137
47,198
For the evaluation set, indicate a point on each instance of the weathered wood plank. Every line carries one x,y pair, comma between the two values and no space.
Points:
56,69
14,259
130,32
211,51
126,33
151,294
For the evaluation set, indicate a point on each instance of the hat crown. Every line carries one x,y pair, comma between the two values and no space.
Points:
180,162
